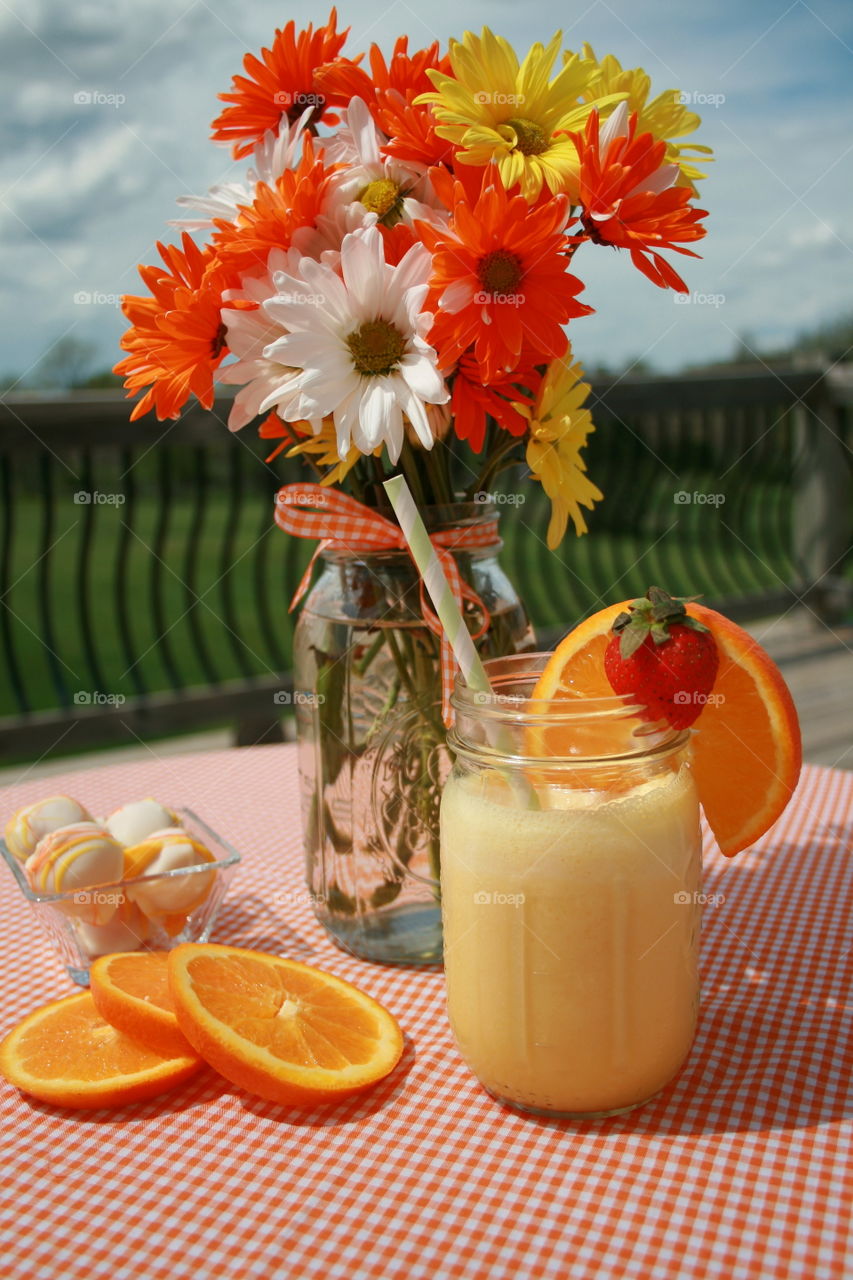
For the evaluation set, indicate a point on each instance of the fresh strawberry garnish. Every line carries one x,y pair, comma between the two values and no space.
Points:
662,657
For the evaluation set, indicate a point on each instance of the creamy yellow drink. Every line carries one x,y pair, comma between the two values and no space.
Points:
571,935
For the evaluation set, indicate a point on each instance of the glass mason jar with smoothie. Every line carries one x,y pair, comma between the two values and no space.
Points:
570,867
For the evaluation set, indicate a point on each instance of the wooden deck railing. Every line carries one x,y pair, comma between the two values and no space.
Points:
144,590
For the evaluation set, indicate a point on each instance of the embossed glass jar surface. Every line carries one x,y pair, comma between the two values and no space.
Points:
372,753
570,865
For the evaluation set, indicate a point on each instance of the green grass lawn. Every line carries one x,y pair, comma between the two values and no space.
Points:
201,600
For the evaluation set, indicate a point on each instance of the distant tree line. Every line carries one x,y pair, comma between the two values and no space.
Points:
70,364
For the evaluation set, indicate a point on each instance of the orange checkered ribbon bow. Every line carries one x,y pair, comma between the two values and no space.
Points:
342,523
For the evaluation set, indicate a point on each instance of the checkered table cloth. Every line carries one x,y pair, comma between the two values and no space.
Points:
741,1168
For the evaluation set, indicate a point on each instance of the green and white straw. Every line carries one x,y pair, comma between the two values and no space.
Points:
435,581
450,616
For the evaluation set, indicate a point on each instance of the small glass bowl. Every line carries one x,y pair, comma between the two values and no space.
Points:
85,923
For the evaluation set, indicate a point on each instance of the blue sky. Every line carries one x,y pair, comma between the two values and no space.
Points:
107,106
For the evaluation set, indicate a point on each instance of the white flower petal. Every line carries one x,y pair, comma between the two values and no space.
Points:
661,180
301,350
616,126
457,295
279,150
346,421
364,132
421,375
362,263
415,412
248,401
374,414
413,268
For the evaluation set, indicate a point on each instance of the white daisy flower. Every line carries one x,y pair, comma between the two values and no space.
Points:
372,187
248,334
277,152
358,341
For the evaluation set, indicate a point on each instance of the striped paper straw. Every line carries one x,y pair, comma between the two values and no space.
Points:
435,581
450,616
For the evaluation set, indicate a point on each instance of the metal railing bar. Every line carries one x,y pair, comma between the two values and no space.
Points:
190,565
43,589
122,576
262,585
84,573
10,657
226,560
158,562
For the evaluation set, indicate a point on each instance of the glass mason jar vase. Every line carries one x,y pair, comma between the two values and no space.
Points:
570,870
372,744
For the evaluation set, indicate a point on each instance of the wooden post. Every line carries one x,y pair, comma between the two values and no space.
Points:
822,516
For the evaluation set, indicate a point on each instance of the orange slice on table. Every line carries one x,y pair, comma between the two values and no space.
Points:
746,748
131,992
64,1053
282,1030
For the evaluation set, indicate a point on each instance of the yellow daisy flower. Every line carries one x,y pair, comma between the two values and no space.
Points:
322,448
665,117
559,427
494,109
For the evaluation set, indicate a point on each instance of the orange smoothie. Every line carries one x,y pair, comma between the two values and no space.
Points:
571,938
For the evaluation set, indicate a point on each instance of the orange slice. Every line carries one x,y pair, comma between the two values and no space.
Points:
282,1030
64,1053
131,992
746,748
576,671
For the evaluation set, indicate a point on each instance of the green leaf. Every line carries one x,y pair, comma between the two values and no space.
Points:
632,638
385,893
340,903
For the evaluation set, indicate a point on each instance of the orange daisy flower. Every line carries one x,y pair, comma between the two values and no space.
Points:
284,83
178,339
389,91
411,131
629,198
406,73
472,403
274,215
499,279
398,241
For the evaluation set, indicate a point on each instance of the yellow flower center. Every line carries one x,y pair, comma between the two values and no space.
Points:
500,271
530,138
376,347
384,198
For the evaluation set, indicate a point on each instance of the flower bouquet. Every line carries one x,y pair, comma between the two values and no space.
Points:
389,287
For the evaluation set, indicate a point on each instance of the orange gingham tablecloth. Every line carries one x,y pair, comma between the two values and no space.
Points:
742,1168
